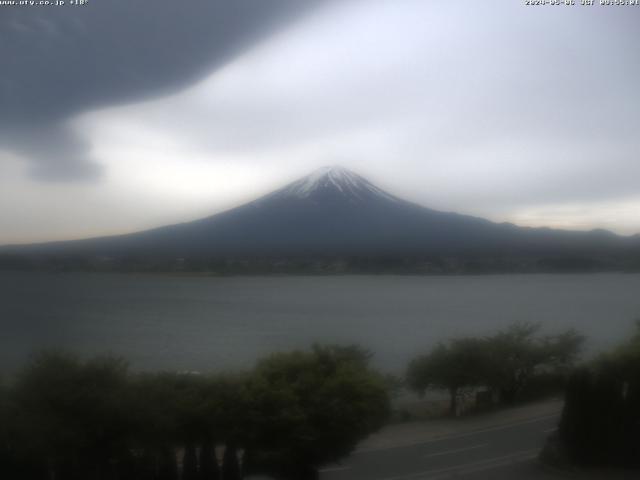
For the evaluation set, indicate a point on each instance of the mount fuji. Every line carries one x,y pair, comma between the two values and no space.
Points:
334,212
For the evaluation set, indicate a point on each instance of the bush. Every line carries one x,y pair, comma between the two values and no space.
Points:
600,423
71,419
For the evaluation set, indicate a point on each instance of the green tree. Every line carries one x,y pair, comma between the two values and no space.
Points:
172,412
73,414
453,366
310,408
627,355
600,422
518,353
7,455
505,362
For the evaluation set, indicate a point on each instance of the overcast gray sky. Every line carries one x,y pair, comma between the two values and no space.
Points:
117,116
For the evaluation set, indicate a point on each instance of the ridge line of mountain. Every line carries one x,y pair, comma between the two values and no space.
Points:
335,213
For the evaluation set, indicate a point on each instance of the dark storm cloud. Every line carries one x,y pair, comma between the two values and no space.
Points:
57,153
58,61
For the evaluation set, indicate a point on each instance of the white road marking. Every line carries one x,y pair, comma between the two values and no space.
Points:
333,469
456,435
489,463
457,450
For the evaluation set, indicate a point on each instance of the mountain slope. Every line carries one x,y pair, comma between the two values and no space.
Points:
335,212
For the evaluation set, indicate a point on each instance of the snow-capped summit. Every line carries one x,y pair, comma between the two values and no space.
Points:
334,180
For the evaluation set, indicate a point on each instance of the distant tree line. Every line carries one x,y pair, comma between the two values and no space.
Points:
64,418
505,365
434,264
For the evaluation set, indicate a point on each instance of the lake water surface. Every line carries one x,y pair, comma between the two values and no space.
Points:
208,323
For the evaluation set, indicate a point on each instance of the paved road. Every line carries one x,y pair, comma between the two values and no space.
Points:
506,451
